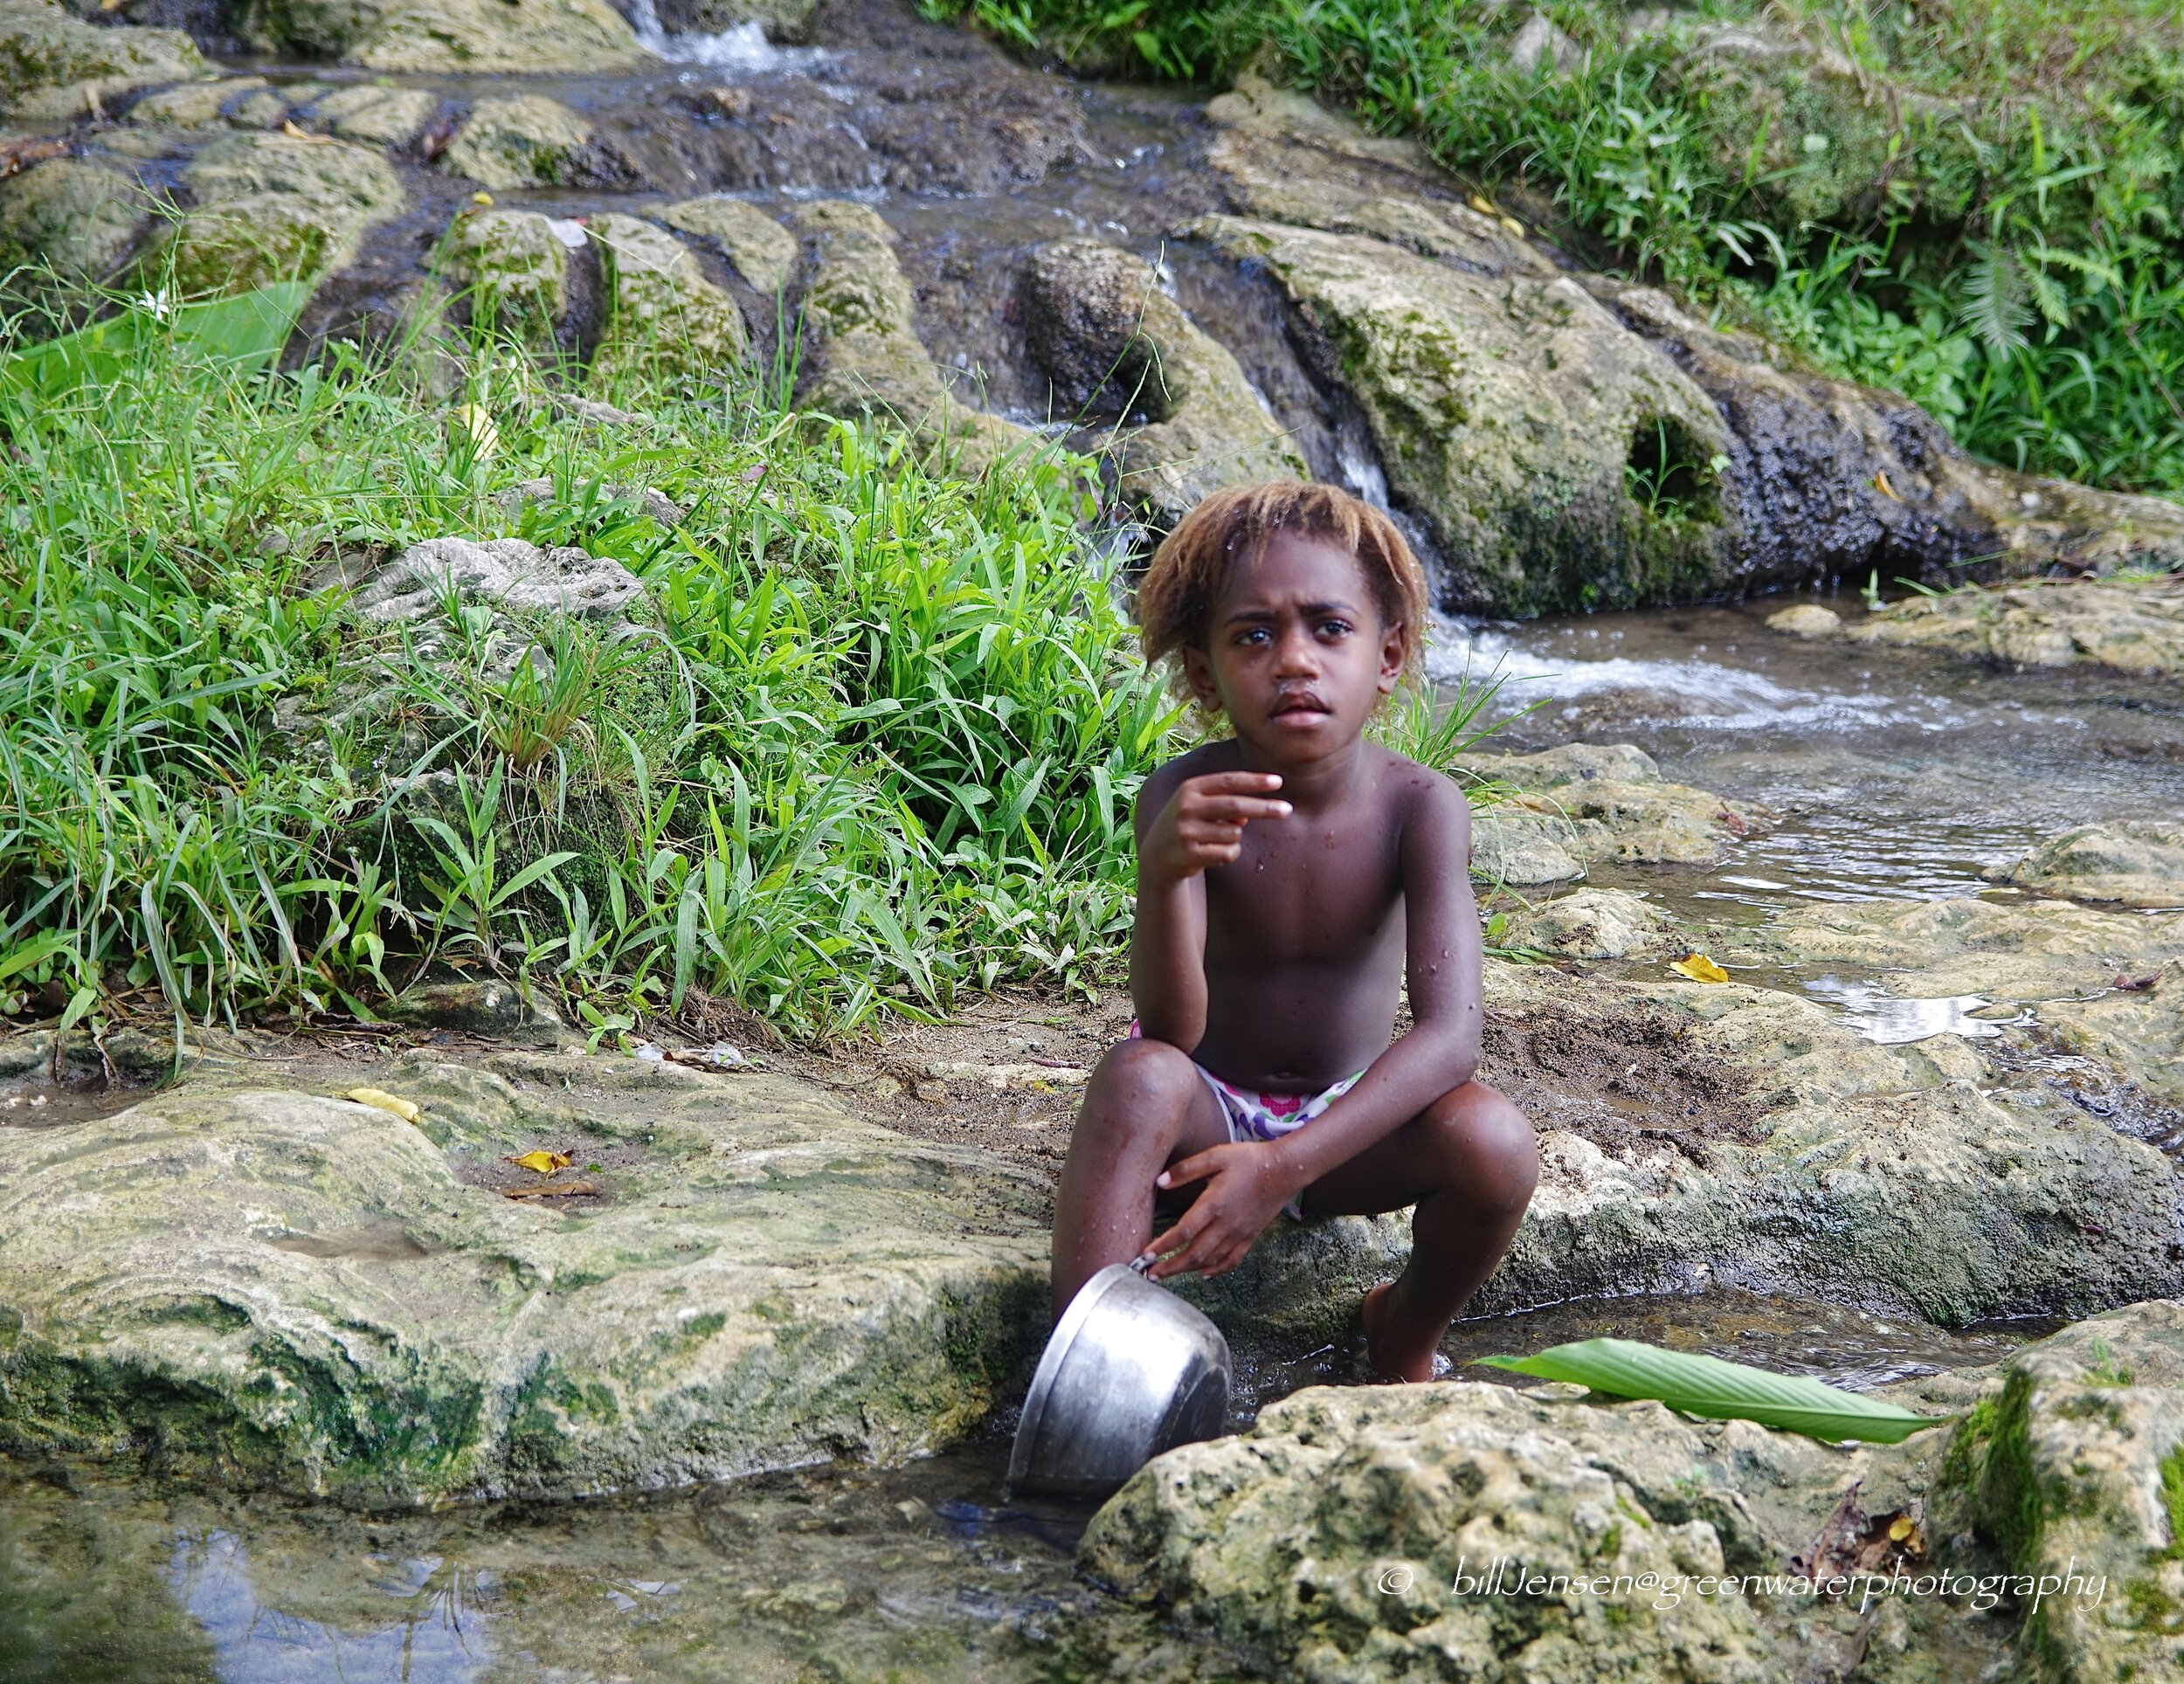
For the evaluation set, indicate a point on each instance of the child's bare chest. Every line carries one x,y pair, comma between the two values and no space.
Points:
1305,891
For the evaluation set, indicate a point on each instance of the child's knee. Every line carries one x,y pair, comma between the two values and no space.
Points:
1147,1074
1489,1145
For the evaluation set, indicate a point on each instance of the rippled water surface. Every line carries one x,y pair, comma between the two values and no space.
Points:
1894,772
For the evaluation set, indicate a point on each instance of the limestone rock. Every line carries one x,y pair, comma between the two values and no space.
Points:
1114,344
2137,865
1592,924
450,35
520,140
512,268
860,314
1351,1535
197,104
1763,1142
662,312
1600,802
2130,627
1522,849
55,65
1507,412
763,252
1756,475
506,572
279,1288
375,115
270,207
1805,620
80,217
1539,41
2072,1470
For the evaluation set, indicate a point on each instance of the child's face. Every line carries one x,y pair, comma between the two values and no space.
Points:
1297,655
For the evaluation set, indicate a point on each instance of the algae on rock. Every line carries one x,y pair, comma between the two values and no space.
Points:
763,252
54,65
662,312
1115,345
273,1286
81,219
272,207
520,140
476,36
860,311
513,269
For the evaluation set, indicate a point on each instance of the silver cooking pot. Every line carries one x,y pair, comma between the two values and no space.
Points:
1130,1371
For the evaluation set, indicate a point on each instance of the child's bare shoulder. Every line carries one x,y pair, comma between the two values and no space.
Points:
1419,795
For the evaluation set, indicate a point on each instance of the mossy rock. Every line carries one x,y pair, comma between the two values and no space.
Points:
763,252
272,207
662,312
475,36
53,65
375,115
290,1288
80,218
513,269
521,140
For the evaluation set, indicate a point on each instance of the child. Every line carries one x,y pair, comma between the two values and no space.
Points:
1289,878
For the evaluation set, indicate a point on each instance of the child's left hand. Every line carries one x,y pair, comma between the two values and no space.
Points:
1246,1187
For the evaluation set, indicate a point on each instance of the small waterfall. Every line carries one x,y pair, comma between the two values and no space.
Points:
743,50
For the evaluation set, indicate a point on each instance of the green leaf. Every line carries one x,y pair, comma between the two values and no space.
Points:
1719,1390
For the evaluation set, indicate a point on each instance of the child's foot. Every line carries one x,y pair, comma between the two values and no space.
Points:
1389,1364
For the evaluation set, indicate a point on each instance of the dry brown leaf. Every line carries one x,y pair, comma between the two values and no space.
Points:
571,1189
380,1100
290,129
1881,484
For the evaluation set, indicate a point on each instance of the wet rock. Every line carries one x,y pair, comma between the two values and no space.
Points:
1825,478
54,65
1755,476
2137,865
198,105
512,267
763,252
2136,1028
860,314
271,207
782,19
1114,344
506,572
1744,1136
81,219
523,139
449,35
1805,620
1507,413
1589,801
209,1280
375,115
2131,627
1593,924
2071,1469
662,312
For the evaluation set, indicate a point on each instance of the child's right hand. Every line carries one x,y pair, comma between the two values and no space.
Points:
1203,824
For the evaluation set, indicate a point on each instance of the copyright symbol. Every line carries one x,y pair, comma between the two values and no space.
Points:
1395,1580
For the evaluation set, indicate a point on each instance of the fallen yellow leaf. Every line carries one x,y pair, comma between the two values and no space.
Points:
1900,1528
290,129
477,422
1699,969
380,1100
1514,226
1480,204
543,1163
481,197
1881,484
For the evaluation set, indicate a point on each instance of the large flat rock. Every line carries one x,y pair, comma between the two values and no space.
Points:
290,1288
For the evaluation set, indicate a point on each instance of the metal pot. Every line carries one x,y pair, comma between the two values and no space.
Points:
1130,1371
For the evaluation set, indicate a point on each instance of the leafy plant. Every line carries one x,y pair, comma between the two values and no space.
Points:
1720,1390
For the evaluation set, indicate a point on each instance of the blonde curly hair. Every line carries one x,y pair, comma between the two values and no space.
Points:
1176,597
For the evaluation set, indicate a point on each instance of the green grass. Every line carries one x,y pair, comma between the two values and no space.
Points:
875,741
1978,202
